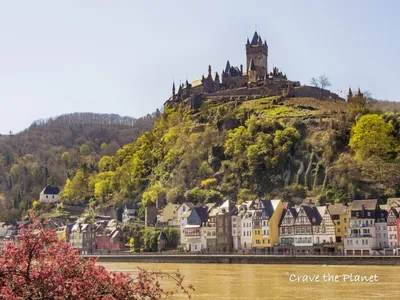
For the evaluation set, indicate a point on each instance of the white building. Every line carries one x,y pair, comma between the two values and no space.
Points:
50,194
130,212
237,223
361,238
183,222
324,232
246,232
382,239
286,227
392,217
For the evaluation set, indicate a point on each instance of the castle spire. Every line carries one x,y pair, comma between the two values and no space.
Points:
359,91
209,70
173,88
350,93
228,66
248,42
254,40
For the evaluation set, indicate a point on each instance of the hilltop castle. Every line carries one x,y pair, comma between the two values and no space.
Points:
255,82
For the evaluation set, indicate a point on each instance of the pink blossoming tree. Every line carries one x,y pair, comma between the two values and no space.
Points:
38,266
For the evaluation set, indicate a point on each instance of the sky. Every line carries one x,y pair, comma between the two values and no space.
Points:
121,57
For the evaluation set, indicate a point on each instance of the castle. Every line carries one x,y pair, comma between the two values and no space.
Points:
252,83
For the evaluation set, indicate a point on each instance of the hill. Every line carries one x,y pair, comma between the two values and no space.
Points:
271,147
51,150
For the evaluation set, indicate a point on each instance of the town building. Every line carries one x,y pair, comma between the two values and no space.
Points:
340,214
286,227
209,232
237,217
265,225
82,237
130,213
382,238
168,216
224,227
361,238
198,217
392,218
50,194
246,232
324,232
108,238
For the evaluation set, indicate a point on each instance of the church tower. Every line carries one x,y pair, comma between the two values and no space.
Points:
257,53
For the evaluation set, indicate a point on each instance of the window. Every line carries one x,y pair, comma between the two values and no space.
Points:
265,232
369,214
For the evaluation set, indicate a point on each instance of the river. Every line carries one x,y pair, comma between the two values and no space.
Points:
234,282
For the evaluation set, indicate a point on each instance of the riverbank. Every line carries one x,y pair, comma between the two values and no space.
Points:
251,259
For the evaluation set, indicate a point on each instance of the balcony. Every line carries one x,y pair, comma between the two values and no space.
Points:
359,235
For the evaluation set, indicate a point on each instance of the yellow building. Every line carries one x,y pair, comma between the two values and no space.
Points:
340,214
265,223
169,215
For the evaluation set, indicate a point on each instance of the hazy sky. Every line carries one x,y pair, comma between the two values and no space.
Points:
121,56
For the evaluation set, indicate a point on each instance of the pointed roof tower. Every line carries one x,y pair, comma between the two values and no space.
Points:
173,88
350,93
228,66
254,39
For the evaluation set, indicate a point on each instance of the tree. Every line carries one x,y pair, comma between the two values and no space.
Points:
371,137
84,150
321,82
41,267
66,159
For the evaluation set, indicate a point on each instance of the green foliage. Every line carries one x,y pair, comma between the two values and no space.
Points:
84,150
155,192
371,136
66,159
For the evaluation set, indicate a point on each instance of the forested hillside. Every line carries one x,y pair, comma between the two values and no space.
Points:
50,151
272,147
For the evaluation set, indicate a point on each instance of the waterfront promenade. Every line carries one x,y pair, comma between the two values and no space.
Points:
249,259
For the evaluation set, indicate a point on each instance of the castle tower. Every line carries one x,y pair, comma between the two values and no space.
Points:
257,51
173,91
350,95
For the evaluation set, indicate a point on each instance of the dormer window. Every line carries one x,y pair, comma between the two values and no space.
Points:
369,214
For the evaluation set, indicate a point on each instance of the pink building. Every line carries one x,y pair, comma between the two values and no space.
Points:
109,240
398,235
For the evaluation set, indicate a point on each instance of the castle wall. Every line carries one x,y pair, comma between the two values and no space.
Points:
312,92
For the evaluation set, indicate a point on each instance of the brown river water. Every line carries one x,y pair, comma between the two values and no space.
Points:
225,281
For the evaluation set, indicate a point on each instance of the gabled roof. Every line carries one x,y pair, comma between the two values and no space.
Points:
287,211
370,204
227,206
337,209
202,212
162,236
395,211
51,190
393,202
313,215
267,208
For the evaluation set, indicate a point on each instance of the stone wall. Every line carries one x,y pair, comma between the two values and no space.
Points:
250,259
